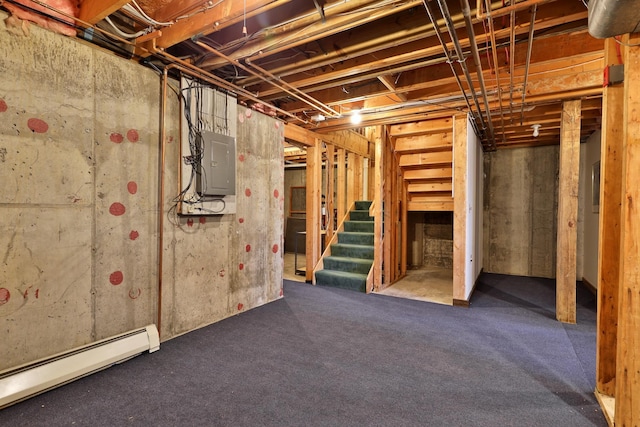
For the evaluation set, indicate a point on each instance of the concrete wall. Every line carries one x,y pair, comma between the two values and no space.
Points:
438,239
520,211
591,155
79,166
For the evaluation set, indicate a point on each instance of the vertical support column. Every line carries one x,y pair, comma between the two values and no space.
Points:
314,190
627,392
568,212
341,184
377,219
403,237
459,207
358,176
329,198
609,229
351,176
388,224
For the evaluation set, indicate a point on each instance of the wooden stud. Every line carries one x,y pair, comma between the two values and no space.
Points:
609,229
568,212
314,190
358,169
351,176
627,394
459,206
377,219
388,237
341,184
403,237
329,196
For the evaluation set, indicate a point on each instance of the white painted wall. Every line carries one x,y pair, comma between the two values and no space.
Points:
591,155
473,244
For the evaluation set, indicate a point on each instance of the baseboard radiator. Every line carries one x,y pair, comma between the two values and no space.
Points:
17,384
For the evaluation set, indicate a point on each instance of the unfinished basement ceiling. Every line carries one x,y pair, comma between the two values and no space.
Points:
316,62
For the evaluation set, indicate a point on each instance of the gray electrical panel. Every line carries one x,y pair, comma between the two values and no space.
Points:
217,175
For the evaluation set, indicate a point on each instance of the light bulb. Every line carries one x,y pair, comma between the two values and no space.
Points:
356,118
536,130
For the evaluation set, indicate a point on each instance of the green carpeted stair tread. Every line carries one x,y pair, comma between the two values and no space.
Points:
362,226
356,238
348,264
360,216
352,251
341,279
361,205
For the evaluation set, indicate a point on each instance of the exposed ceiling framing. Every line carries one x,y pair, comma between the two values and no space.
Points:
384,58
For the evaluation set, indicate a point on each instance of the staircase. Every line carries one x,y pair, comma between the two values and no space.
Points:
352,257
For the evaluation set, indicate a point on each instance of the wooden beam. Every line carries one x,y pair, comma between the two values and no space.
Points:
423,143
341,184
459,206
627,409
387,80
424,127
430,187
329,196
609,229
377,219
434,173
349,140
429,205
96,10
351,177
224,14
314,190
438,158
568,212
300,135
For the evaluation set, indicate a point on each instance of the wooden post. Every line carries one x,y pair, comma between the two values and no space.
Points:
329,196
314,190
568,212
351,176
377,220
459,206
341,184
609,229
358,169
388,237
627,394
403,237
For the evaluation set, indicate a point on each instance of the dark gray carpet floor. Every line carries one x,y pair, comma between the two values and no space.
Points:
331,357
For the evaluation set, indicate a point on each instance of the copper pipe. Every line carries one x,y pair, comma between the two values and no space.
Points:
512,60
505,10
526,67
285,87
494,51
450,61
466,12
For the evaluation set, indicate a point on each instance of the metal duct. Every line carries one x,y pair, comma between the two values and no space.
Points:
608,18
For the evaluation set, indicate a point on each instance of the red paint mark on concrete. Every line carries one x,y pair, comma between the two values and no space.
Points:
117,209
276,193
240,306
247,192
132,187
5,296
248,113
240,220
241,266
37,293
134,235
221,273
3,106
135,293
132,135
274,249
241,117
247,248
241,157
277,124
170,140
116,137
116,278
281,292
190,222
203,220
37,125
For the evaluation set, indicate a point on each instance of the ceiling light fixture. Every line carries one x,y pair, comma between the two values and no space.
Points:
318,118
356,118
536,130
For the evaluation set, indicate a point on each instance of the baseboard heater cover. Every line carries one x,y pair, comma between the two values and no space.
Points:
22,382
